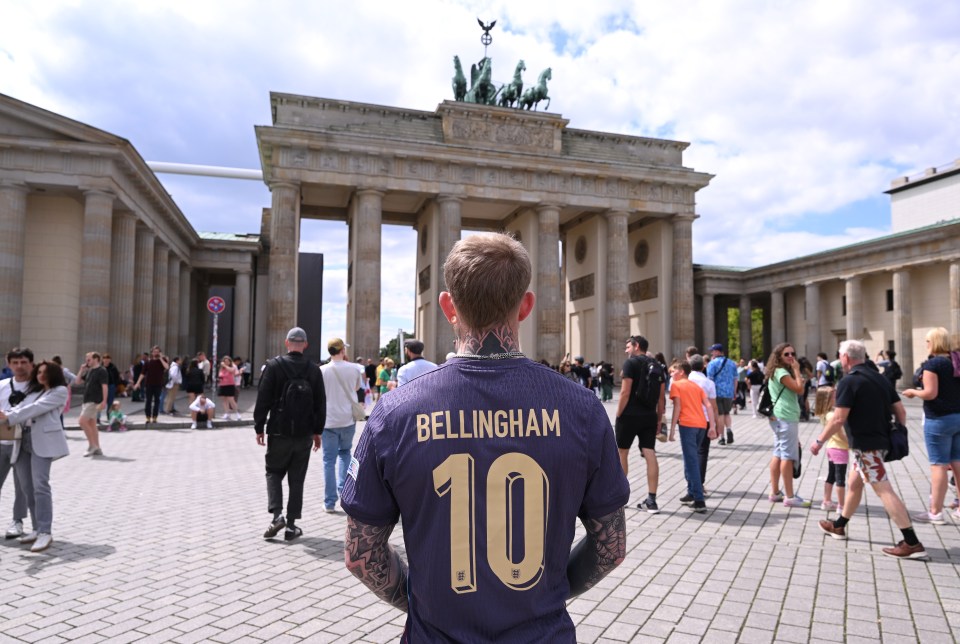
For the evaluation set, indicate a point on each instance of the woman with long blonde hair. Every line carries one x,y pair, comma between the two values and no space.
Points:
785,383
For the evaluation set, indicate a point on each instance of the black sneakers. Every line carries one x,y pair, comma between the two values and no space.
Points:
699,507
686,500
278,524
729,437
292,533
649,506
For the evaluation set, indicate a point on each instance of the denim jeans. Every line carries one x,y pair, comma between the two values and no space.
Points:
942,437
690,439
336,442
22,481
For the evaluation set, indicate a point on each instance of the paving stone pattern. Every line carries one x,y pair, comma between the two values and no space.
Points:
161,541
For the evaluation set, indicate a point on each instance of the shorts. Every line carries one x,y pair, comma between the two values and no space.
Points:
838,456
786,444
724,405
644,428
227,391
870,465
942,437
89,410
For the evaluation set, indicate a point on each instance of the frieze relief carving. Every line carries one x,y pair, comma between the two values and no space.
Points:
501,133
644,290
582,287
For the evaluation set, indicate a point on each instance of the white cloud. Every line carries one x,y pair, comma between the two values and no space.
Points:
800,109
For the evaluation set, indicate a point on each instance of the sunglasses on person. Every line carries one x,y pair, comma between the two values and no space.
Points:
787,354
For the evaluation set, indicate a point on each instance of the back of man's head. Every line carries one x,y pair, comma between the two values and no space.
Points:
692,351
822,355
696,362
854,350
641,342
486,276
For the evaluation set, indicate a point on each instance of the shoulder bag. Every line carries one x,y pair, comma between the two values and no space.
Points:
358,410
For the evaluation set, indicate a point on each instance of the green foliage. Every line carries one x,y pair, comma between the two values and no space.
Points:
392,350
733,333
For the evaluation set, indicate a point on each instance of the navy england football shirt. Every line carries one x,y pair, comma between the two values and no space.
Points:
489,463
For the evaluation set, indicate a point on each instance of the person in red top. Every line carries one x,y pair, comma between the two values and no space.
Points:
689,401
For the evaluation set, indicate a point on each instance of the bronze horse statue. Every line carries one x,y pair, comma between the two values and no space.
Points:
459,81
511,92
538,93
482,90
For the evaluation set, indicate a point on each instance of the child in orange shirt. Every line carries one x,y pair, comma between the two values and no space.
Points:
689,401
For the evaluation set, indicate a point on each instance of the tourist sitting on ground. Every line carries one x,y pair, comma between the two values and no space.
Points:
202,410
116,419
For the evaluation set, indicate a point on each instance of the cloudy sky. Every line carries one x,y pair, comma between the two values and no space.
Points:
804,111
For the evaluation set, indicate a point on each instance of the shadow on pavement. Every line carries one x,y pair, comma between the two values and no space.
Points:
322,548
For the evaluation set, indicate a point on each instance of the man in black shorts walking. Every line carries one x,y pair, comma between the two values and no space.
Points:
639,417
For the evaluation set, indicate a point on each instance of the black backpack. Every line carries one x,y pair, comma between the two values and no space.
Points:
647,388
893,372
294,409
829,374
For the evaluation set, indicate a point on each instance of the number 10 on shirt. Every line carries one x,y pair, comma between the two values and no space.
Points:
512,479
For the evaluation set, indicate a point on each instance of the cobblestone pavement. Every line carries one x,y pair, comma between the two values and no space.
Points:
160,541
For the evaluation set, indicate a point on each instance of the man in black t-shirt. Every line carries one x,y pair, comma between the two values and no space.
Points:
864,403
94,378
636,420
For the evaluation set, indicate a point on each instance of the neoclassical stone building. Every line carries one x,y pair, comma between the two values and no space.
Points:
622,208
95,255
888,291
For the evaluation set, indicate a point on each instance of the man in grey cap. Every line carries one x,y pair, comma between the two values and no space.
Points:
416,364
292,407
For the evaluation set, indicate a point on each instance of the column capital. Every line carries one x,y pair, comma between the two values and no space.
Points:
684,217
98,192
610,214
449,199
547,205
14,186
363,192
244,271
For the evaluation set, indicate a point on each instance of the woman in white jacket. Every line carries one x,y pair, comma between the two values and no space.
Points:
43,442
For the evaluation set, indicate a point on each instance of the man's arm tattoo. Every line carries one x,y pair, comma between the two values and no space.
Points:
602,550
372,560
499,339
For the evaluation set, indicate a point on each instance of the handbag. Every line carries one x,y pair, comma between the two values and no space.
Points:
9,432
766,404
359,411
899,443
798,464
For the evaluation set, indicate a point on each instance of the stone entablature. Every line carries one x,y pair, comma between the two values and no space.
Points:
921,247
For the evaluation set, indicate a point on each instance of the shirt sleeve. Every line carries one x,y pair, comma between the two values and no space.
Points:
845,394
607,488
366,495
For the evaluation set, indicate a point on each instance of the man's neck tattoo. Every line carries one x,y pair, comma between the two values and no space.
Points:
500,341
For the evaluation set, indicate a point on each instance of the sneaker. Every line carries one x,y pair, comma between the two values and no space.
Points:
29,537
835,532
649,506
123,428
193,425
89,452
15,530
722,441
955,505
903,551
278,524
828,506
956,515
237,417
929,517
42,543
686,500
776,498
796,502
292,533
699,506
330,510
96,452
729,437
209,424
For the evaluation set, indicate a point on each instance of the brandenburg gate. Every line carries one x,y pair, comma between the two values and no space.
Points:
606,218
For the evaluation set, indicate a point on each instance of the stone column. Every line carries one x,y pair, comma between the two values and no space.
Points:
618,317
122,266
549,304
447,233
241,315
284,248
778,330
682,286
709,331
186,306
13,228
175,296
902,322
143,290
854,308
746,329
161,271
366,227
94,319
812,296
954,326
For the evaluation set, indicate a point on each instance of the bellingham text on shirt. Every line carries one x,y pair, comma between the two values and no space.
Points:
479,423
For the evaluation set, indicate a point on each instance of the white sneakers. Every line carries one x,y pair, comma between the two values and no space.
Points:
15,530
209,424
40,540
